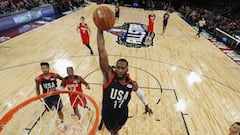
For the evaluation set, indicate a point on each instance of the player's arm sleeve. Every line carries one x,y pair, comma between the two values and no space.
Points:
139,93
141,96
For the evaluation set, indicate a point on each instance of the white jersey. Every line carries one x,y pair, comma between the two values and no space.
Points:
201,23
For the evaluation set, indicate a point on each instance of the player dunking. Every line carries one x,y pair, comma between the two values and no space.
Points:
117,88
84,32
151,19
48,81
73,82
166,16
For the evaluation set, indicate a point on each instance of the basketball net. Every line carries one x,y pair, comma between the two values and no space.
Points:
31,117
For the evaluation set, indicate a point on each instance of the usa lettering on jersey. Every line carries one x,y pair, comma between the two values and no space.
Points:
50,86
119,97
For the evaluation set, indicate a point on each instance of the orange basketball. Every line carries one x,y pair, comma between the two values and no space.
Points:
103,18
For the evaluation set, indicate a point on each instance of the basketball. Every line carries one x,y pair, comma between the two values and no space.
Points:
103,18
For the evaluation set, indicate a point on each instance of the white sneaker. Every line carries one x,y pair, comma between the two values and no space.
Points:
79,121
63,127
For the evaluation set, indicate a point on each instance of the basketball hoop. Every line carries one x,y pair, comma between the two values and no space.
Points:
32,114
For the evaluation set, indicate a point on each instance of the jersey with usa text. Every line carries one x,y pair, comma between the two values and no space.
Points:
116,95
48,84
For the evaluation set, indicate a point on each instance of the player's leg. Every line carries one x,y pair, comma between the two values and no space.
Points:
114,122
87,43
117,15
76,112
75,101
164,27
63,125
100,124
110,123
199,31
83,101
121,121
163,30
58,105
89,47
149,35
51,103
48,105
61,116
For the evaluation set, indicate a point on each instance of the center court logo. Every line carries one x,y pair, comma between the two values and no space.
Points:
133,35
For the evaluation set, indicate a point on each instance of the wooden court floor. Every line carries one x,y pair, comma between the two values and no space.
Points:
192,87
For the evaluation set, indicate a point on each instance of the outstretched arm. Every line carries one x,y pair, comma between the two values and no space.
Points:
140,95
103,57
81,80
63,84
58,77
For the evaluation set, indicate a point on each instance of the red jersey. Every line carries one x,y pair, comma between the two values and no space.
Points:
83,27
75,85
151,19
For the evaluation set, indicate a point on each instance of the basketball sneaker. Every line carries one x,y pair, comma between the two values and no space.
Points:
79,121
63,127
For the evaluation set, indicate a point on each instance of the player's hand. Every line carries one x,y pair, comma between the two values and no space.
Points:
88,87
148,110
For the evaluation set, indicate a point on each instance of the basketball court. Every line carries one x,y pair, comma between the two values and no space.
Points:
192,87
